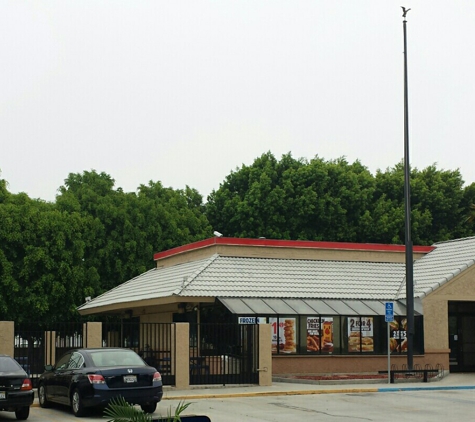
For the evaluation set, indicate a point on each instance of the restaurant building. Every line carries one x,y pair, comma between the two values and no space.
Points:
324,301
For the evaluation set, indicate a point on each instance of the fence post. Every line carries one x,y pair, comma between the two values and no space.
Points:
181,350
265,355
93,331
113,339
50,347
7,337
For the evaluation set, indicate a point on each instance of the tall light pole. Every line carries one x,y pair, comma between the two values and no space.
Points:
407,202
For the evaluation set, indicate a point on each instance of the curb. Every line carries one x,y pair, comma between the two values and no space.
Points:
448,387
270,393
310,392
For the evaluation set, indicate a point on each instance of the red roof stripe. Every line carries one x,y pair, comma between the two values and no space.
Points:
235,241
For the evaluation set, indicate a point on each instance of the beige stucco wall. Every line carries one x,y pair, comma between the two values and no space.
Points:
435,305
182,355
93,332
50,352
7,333
265,355
285,253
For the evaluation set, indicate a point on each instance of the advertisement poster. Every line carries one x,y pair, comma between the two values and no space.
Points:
398,340
360,334
319,338
283,335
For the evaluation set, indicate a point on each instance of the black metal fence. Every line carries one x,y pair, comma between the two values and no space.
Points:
223,354
152,341
33,347
219,353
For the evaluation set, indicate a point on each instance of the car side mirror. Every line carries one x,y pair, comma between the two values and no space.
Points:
48,367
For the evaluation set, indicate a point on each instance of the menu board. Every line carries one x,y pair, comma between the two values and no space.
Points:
360,334
283,335
319,337
398,336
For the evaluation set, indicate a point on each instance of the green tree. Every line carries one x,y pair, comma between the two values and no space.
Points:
41,260
338,201
53,255
129,227
468,205
436,206
294,199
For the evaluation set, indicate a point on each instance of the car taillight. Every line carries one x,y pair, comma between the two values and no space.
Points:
157,377
96,379
26,385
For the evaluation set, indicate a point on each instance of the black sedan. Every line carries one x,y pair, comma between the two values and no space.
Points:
16,390
85,378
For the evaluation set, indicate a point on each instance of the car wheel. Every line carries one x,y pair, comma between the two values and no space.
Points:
42,396
22,413
76,404
149,408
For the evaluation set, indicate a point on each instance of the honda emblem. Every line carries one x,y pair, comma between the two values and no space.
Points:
130,371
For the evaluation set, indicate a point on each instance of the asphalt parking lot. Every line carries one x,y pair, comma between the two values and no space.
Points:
413,406
418,406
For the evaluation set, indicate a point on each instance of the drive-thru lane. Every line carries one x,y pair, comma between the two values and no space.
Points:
452,398
414,406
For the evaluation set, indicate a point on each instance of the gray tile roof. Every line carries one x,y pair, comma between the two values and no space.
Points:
291,278
441,265
235,277
152,284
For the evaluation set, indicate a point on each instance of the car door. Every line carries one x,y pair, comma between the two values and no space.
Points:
53,381
76,361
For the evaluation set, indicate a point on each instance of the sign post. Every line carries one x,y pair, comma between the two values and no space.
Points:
389,317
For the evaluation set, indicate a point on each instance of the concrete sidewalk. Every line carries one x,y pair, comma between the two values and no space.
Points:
449,382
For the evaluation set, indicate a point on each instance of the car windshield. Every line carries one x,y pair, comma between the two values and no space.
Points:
8,365
116,358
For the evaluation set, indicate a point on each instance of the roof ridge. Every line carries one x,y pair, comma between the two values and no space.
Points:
453,240
269,258
189,279
403,282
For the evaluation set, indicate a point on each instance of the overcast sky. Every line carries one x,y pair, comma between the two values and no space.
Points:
184,92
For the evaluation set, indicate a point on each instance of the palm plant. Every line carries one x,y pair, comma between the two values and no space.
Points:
121,411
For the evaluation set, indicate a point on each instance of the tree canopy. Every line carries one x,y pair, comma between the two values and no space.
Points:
96,236
339,201
91,239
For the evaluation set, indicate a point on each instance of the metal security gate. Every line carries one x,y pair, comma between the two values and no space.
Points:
35,346
152,341
224,354
29,349
68,336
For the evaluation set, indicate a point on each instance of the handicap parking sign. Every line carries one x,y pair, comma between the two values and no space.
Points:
389,316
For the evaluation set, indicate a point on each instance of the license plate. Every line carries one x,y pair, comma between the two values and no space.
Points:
3,395
130,378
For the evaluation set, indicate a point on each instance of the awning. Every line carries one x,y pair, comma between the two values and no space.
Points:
257,306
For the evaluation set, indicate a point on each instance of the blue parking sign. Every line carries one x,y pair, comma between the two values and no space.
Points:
389,306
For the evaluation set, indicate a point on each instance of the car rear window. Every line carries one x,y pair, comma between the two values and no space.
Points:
9,365
116,358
